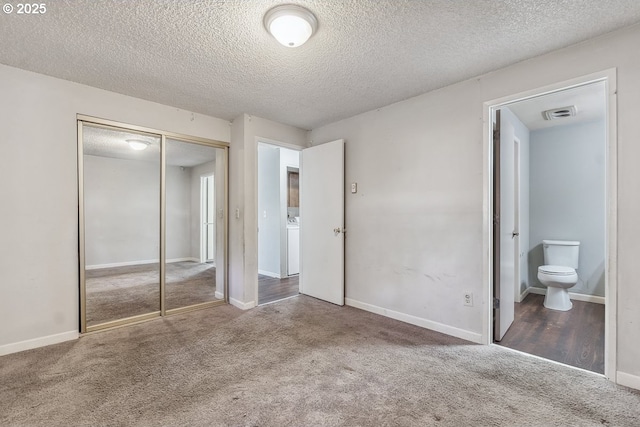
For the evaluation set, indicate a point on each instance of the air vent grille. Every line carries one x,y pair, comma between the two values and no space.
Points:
560,113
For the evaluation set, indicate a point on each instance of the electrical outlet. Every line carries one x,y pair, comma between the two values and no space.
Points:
468,299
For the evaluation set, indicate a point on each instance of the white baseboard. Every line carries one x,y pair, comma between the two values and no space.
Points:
418,321
524,294
219,295
38,342
139,262
628,380
269,274
572,295
536,291
242,305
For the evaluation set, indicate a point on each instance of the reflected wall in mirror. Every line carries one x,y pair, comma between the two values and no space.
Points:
195,194
121,192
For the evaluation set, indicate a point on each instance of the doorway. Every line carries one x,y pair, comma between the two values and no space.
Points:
278,222
552,175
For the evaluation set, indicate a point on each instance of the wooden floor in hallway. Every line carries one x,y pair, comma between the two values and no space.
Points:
272,289
574,337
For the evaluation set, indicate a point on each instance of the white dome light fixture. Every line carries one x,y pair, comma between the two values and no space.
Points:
137,144
291,25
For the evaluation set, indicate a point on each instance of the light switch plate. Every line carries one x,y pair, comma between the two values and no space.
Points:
354,187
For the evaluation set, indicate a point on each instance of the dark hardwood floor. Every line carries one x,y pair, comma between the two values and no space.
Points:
272,289
574,337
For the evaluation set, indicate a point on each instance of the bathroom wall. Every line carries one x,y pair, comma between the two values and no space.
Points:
269,217
568,198
521,133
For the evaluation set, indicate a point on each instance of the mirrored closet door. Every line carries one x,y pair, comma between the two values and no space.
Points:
195,223
152,223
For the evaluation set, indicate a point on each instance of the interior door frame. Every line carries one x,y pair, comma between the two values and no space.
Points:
82,119
261,140
609,78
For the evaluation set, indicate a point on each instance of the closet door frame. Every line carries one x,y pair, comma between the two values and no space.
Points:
163,135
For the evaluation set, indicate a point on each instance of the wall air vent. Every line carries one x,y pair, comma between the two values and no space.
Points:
560,113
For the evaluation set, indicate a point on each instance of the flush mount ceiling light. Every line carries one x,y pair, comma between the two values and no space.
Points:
291,25
137,144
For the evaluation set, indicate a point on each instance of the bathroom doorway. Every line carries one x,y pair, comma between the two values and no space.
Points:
552,177
278,222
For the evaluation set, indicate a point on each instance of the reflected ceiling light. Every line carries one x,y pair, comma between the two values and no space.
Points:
291,25
137,144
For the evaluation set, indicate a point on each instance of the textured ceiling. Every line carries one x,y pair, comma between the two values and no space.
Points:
215,57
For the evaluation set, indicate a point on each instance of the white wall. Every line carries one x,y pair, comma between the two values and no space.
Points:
415,240
568,198
269,211
521,132
39,209
178,183
122,211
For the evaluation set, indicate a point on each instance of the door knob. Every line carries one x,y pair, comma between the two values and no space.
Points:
514,234
338,230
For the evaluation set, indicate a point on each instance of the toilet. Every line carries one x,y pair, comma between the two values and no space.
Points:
559,272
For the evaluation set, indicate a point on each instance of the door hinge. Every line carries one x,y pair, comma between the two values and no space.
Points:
496,303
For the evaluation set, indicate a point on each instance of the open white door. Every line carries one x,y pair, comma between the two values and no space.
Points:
509,239
322,222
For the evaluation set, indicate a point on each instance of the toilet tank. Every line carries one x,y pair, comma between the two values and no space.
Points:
561,252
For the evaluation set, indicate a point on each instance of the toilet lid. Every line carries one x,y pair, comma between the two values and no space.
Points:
556,270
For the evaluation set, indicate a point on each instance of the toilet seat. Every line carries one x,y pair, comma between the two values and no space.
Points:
558,279
556,270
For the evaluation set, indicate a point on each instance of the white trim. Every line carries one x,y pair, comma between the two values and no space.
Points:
140,262
418,321
38,342
524,294
628,380
572,295
242,305
607,76
219,295
269,273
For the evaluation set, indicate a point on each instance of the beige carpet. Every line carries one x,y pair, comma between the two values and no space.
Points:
119,292
298,362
